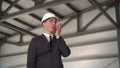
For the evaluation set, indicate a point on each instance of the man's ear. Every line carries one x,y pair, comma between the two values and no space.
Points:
43,23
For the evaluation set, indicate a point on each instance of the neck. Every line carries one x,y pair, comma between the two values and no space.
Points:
48,32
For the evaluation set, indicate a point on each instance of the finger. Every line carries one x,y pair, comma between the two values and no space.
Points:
59,25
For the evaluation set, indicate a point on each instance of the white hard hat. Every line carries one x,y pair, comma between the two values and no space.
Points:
47,16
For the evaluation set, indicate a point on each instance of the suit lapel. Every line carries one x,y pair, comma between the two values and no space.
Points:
44,38
46,42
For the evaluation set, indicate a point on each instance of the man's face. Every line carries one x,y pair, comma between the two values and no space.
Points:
50,24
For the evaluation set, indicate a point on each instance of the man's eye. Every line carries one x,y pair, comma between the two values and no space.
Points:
51,20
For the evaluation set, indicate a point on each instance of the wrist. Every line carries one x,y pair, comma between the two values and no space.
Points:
57,36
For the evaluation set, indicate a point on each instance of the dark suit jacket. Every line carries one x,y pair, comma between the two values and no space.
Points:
42,55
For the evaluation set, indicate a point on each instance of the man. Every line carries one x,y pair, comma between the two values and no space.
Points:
45,51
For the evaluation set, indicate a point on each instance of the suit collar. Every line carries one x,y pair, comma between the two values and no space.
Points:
44,38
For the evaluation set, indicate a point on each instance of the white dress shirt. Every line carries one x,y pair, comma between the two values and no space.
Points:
48,36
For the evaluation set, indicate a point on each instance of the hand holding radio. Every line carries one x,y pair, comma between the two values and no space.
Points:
58,30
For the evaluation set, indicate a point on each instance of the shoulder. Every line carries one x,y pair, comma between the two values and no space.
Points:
37,37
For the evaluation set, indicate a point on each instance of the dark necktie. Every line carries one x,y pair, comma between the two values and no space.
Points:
50,40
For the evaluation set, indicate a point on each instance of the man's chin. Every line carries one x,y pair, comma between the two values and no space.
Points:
53,31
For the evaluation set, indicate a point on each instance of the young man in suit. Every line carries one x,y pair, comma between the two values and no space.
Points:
46,50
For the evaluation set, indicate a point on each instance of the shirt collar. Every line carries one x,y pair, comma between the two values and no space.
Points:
47,35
